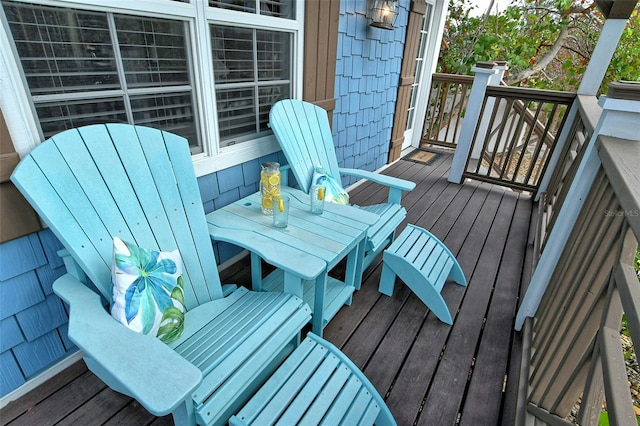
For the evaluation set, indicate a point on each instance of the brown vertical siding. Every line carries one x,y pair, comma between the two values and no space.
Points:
17,218
320,50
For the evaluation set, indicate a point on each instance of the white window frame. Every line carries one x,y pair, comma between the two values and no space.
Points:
22,121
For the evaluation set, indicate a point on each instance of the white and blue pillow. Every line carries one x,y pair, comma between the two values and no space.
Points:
334,192
148,290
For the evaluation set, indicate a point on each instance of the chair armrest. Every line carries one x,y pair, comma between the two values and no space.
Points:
396,185
137,365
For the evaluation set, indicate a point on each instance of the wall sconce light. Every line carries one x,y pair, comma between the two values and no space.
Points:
383,13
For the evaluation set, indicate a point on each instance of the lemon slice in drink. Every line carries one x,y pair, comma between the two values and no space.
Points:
267,203
274,179
281,205
321,193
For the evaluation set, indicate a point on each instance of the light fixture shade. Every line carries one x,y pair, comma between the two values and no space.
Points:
383,13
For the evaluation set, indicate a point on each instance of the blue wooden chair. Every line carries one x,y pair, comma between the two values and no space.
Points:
304,134
96,182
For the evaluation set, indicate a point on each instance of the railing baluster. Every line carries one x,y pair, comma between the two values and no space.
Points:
461,105
512,159
538,148
443,119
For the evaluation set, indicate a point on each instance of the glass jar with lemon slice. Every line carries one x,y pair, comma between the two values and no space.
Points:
316,195
269,185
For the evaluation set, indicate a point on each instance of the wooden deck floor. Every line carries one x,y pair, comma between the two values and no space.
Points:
430,373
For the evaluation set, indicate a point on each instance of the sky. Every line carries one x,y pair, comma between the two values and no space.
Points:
482,5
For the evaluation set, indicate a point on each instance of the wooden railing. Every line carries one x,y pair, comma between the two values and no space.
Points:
515,137
447,102
575,351
585,115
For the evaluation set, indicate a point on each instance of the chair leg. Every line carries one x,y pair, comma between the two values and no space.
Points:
434,301
184,415
456,274
387,280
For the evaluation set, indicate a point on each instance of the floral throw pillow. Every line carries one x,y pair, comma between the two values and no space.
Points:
148,290
334,192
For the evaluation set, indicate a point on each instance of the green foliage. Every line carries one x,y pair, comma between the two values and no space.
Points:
604,419
625,64
525,31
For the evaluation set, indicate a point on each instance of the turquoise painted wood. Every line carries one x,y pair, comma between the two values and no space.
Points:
424,263
317,384
304,252
304,134
96,182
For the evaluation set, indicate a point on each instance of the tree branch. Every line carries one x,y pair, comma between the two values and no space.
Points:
543,62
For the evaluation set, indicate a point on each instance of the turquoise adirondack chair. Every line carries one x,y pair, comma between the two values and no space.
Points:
96,182
304,134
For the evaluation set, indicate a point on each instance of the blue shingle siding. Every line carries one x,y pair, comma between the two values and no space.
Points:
11,376
228,179
51,246
20,255
19,293
64,334
10,334
251,172
367,76
208,187
47,275
42,318
39,354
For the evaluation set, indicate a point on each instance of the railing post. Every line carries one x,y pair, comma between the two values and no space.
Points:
502,67
483,72
483,128
621,119
606,46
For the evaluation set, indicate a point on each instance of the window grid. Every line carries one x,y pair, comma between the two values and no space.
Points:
251,73
83,65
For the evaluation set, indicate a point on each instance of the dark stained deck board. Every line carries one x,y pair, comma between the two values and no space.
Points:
18,407
415,383
492,359
444,403
62,402
419,364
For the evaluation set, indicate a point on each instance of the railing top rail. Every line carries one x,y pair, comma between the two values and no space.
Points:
531,94
452,78
620,159
624,90
590,111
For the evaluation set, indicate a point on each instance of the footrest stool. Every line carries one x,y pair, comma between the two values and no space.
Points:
424,263
316,384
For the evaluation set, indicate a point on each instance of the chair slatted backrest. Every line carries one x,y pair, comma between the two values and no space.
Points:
304,134
93,183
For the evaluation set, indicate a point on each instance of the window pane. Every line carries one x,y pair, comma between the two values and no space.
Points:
269,95
233,58
273,55
62,50
277,8
173,113
154,51
241,5
58,116
252,70
236,113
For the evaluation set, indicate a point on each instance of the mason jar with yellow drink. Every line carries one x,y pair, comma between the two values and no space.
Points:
269,185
